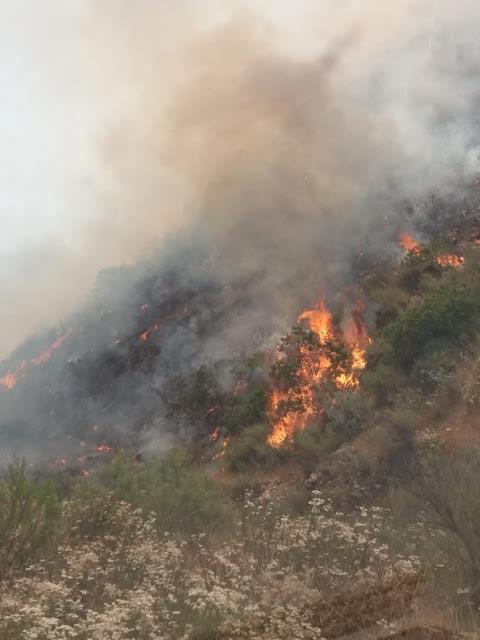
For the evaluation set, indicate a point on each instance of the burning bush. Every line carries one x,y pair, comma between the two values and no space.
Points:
314,358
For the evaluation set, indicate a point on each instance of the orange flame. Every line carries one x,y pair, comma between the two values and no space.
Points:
223,450
450,260
145,336
47,354
11,379
313,368
103,448
409,243
215,434
319,321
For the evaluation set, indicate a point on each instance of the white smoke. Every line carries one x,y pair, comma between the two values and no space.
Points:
266,120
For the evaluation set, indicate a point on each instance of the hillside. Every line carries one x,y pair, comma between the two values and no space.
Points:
204,479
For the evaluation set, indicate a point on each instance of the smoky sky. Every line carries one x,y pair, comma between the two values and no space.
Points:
280,131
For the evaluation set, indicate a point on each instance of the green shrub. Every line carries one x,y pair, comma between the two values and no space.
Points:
182,497
343,418
246,409
89,511
398,440
29,518
448,486
450,314
310,445
250,450
346,415
391,301
382,378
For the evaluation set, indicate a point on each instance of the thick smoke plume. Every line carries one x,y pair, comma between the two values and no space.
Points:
269,128
249,148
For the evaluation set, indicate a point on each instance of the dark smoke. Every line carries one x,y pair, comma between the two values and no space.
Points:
290,168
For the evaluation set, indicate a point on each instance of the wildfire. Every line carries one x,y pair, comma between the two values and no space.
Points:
223,450
319,321
145,336
103,448
290,410
215,434
409,243
11,379
450,260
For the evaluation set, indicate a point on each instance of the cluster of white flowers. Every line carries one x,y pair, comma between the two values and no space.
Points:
261,578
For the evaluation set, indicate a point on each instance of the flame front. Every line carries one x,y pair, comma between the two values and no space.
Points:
103,448
223,449
450,260
146,335
313,367
11,379
215,435
409,243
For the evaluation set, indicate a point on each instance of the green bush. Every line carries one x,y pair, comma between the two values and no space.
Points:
182,497
246,409
310,445
29,519
381,379
434,371
451,313
89,511
449,488
391,301
346,415
398,440
250,450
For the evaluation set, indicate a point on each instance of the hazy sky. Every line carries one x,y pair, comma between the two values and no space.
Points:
61,89
51,116
48,124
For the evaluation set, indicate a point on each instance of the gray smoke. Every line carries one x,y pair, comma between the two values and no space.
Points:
271,128
245,162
